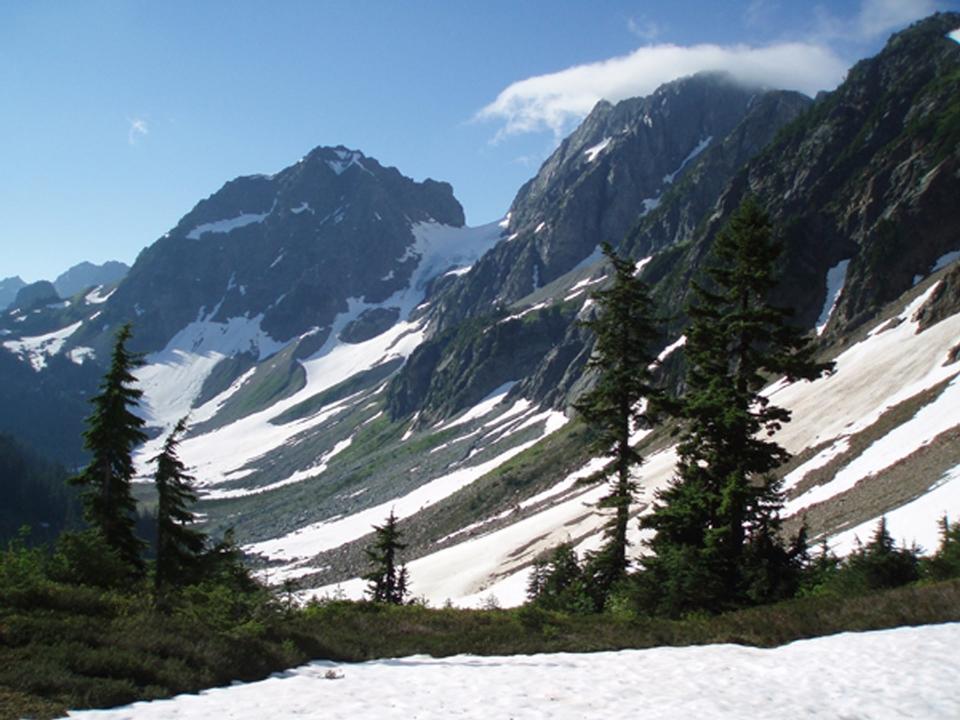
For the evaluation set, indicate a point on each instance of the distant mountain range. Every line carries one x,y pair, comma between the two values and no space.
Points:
345,346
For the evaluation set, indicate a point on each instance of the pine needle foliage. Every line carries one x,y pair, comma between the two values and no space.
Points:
717,525
389,581
620,403
113,431
179,546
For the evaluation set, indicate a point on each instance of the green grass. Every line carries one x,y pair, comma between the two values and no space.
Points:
73,647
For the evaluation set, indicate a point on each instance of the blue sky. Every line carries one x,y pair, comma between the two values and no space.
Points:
118,117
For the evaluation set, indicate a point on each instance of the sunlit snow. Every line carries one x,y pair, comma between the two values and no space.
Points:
915,522
593,152
37,349
96,296
326,535
229,224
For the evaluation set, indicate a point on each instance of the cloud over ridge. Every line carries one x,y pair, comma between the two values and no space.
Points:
557,100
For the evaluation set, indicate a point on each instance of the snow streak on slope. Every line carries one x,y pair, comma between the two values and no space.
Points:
891,365
938,416
593,152
37,349
490,564
867,678
914,522
326,535
836,276
228,225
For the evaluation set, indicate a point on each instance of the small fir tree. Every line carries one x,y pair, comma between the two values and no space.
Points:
388,580
179,546
724,498
618,405
881,564
113,431
559,582
946,562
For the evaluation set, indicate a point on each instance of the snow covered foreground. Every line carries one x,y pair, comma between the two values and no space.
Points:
903,673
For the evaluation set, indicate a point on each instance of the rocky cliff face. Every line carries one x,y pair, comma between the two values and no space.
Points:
865,181
612,170
660,161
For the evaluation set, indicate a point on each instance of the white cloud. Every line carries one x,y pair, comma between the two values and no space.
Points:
878,17
558,100
138,128
646,30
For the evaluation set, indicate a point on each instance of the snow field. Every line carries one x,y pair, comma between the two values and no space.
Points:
37,349
907,672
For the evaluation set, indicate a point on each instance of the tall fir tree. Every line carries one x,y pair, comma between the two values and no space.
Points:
723,498
388,579
113,431
618,405
180,547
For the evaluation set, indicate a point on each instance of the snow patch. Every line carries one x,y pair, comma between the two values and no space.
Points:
302,207
96,296
699,148
593,152
671,348
641,264
481,409
836,277
347,159
230,224
80,355
866,679
945,260
36,350
522,313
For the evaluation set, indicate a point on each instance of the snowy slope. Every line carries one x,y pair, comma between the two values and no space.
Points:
908,672
890,365
172,379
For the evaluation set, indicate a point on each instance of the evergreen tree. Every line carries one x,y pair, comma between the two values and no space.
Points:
723,498
388,580
881,564
179,546
946,562
113,431
559,582
618,405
